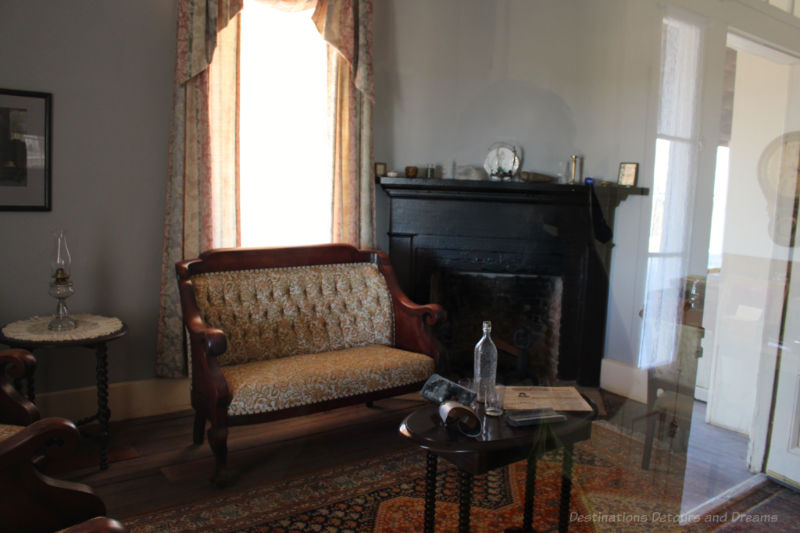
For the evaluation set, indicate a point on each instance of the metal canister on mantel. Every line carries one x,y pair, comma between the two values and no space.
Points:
576,169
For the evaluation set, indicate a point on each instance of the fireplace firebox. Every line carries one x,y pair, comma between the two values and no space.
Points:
478,246
525,311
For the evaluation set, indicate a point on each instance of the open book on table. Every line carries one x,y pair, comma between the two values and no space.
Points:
555,398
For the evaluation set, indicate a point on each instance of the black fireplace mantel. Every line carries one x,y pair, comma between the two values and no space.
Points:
513,228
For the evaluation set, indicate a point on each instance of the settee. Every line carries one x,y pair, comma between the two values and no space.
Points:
281,332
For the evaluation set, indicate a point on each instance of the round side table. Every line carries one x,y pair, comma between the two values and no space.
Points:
93,332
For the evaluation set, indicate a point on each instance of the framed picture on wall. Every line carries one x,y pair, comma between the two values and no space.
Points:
628,172
25,148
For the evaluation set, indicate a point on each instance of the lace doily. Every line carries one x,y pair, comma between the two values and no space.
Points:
34,329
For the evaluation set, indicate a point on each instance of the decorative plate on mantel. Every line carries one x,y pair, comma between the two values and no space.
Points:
503,161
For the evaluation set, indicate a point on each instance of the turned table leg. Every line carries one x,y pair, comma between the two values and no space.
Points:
566,488
430,493
103,412
530,490
464,500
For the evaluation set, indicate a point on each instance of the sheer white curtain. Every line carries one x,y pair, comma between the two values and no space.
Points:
674,174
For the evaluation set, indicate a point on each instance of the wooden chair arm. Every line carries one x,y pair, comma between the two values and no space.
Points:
58,435
18,363
14,408
33,501
98,524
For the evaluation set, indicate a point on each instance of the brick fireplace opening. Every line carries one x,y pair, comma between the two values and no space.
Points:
525,311
520,229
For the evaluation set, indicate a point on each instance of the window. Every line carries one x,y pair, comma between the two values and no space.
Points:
285,161
676,151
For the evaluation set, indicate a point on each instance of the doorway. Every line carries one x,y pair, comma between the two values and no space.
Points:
747,271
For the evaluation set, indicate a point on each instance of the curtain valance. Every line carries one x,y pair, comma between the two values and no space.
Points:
198,24
347,26
344,24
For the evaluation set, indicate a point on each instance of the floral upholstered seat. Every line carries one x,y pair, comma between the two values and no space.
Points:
276,384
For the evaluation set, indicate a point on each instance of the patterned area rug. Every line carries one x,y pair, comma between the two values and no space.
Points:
385,495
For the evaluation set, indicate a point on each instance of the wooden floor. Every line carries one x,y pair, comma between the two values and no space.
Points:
167,469
715,461
170,469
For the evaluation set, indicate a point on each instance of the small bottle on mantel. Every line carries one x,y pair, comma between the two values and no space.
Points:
485,363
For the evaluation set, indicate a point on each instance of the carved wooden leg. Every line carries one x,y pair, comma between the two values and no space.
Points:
530,489
199,427
566,488
103,412
218,440
430,493
464,500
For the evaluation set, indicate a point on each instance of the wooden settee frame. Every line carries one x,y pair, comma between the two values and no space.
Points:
210,395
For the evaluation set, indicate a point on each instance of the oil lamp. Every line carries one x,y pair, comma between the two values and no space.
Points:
60,285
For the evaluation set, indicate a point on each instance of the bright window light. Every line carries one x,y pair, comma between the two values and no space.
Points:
285,162
718,210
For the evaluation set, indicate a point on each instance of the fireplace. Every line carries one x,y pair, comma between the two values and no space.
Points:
477,236
525,311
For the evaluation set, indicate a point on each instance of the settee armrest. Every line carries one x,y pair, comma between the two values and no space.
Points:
430,314
212,340
206,343
412,321
14,408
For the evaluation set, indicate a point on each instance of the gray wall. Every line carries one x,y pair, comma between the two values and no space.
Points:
452,76
109,65
557,77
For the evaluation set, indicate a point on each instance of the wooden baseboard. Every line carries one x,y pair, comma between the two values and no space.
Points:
625,380
128,399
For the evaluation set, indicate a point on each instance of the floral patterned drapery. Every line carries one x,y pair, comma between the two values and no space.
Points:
202,183
290,5
202,190
347,27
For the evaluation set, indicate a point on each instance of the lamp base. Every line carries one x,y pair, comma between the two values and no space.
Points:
62,323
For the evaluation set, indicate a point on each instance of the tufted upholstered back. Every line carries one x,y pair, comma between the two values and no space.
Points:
278,312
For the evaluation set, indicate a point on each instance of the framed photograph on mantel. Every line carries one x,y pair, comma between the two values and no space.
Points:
628,172
25,160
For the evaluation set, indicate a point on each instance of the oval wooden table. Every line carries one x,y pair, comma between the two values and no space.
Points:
498,445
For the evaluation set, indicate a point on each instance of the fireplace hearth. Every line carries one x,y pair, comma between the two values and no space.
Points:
481,247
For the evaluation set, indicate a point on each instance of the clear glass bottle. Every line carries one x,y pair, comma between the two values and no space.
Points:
485,363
